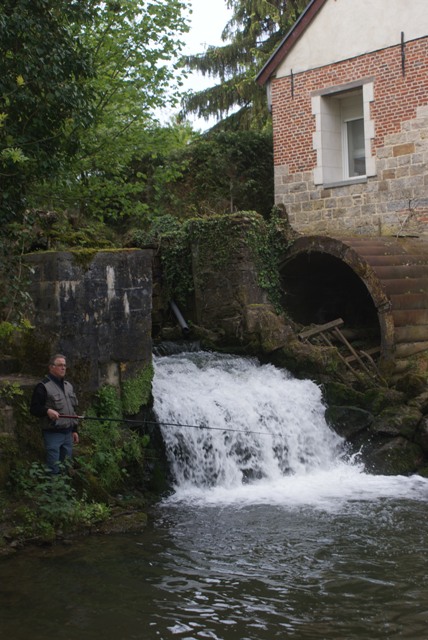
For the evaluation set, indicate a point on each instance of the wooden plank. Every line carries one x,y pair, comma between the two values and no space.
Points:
329,343
320,328
367,352
351,349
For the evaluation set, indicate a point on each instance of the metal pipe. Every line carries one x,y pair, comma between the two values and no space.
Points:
403,54
181,321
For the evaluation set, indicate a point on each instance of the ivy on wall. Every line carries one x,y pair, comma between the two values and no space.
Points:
216,240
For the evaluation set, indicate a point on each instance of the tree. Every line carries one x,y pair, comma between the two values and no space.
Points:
78,79
220,173
251,36
44,69
132,44
232,171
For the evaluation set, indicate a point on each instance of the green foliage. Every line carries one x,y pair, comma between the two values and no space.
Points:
136,391
52,503
9,391
216,240
176,259
13,336
251,36
78,84
269,242
108,402
111,452
160,227
7,330
45,100
132,45
44,96
224,172
68,232
111,449
171,237
15,301
131,181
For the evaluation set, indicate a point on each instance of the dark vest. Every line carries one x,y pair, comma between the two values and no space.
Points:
63,401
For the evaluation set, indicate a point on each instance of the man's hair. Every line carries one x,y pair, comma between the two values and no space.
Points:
55,357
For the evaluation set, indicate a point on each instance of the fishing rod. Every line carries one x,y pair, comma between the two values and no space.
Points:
166,424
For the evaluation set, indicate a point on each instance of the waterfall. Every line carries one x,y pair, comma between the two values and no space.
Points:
236,431
242,421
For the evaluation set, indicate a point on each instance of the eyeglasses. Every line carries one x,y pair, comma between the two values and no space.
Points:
60,366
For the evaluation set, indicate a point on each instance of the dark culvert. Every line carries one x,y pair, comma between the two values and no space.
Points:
377,286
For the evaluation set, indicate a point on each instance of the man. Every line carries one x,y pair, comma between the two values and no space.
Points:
53,397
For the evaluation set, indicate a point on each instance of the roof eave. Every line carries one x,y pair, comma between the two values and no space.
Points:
289,41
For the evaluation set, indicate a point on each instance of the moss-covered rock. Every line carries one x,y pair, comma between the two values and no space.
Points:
378,398
337,393
411,384
348,421
421,435
398,421
396,456
420,402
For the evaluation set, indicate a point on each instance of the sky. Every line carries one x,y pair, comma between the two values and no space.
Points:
207,22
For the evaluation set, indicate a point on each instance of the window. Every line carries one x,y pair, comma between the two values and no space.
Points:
353,159
343,134
354,145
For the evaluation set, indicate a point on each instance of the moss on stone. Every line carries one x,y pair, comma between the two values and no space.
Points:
396,457
377,399
339,394
84,257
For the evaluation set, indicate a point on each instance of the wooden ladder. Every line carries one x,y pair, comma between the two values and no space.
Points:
332,329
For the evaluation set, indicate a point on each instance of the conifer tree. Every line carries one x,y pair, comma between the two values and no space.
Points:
251,36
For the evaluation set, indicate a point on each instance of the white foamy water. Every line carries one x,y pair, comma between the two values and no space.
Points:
253,434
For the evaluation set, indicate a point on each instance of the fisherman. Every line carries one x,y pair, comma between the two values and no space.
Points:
53,397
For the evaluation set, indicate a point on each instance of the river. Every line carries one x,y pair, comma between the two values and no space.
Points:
272,530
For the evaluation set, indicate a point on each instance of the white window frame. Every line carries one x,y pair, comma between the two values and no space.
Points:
332,109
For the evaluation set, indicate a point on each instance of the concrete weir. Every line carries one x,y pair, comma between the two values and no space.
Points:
378,285
95,307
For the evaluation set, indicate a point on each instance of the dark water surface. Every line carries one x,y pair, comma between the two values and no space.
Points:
272,531
257,572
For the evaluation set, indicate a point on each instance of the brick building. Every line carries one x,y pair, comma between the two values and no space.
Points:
348,89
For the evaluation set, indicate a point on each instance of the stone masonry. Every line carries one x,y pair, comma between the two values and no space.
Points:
96,310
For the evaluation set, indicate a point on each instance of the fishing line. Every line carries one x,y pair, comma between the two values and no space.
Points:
166,424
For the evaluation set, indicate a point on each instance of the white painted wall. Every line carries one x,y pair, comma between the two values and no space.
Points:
344,29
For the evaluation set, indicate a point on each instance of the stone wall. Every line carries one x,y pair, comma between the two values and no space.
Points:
95,308
393,200
229,300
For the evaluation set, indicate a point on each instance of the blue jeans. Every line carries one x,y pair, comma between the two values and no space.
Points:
59,447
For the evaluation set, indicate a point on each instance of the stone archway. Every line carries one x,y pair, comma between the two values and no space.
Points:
377,284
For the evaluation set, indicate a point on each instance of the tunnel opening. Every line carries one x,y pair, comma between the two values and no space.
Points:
319,288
